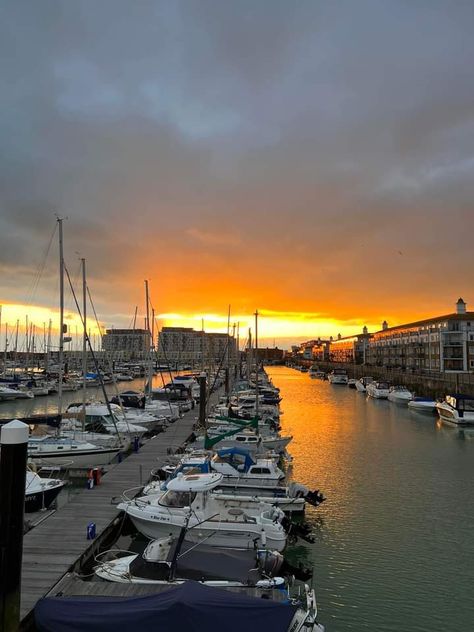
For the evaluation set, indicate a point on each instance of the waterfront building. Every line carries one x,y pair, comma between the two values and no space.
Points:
126,343
350,349
185,345
439,344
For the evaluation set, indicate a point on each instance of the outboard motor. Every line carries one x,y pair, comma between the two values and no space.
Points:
297,530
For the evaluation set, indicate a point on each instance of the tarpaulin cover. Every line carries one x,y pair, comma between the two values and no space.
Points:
190,607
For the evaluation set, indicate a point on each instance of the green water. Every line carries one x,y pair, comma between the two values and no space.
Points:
395,539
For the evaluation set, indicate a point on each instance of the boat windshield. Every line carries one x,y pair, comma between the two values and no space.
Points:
177,499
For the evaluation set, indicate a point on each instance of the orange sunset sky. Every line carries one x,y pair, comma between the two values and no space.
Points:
313,160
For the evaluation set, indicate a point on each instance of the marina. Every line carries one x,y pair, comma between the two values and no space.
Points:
236,316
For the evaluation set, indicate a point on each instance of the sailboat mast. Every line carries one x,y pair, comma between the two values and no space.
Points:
61,315
148,349
84,338
256,363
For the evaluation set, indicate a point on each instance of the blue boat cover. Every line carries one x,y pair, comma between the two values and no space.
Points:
189,607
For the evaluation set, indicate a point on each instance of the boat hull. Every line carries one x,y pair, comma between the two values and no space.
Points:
87,458
215,533
42,499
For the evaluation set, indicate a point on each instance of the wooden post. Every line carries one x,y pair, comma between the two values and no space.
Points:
202,400
14,442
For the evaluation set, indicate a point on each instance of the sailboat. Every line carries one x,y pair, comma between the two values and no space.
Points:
58,450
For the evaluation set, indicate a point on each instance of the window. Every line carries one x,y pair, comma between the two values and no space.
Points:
177,499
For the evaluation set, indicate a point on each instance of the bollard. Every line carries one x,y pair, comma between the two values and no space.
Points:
97,475
120,457
136,444
91,531
14,442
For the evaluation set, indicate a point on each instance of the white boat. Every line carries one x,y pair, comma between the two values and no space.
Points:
457,409
243,478
338,376
362,383
399,395
187,502
68,452
169,561
40,492
378,390
249,441
422,405
98,416
7,393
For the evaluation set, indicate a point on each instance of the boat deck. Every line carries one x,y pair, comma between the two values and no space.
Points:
72,586
59,544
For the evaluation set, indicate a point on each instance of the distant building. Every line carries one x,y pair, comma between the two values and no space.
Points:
270,354
351,349
186,345
439,344
126,343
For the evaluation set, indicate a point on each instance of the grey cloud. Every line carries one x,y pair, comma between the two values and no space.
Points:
308,125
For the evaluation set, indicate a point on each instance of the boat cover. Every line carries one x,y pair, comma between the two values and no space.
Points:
202,563
190,607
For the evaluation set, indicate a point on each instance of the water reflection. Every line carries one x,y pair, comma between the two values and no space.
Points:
393,546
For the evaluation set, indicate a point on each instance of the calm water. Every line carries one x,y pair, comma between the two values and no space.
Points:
395,539
395,547
49,404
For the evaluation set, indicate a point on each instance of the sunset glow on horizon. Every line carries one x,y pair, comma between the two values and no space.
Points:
269,156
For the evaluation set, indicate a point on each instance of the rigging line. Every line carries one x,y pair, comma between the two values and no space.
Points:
166,360
108,359
94,358
39,271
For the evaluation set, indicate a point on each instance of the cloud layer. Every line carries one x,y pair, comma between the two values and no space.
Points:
300,157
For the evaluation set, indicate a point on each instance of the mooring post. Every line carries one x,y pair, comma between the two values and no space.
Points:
202,400
227,384
14,443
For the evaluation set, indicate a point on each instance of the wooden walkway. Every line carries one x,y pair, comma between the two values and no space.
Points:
55,546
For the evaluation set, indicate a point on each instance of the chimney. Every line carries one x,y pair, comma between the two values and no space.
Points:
460,307
384,325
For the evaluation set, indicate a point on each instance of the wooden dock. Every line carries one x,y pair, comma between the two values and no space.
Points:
59,544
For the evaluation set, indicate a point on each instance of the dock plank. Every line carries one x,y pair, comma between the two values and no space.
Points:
52,548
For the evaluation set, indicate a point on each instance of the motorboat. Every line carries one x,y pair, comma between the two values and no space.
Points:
362,383
351,383
172,560
422,405
457,409
248,440
66,452
244,478
40,492
399,395
98,420
338,376
98,415
187,502
7,393
313,370
189,606
378,390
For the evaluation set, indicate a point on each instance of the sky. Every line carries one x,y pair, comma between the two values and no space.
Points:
311,159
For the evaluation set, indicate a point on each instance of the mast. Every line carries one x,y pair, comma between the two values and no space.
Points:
6,350
84,339
27,344
48,348
61,315
148,347
256,363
